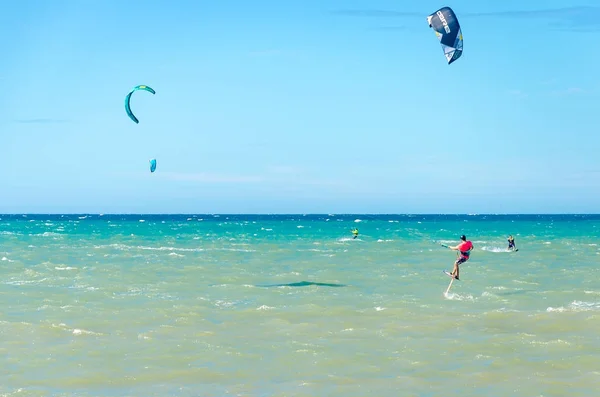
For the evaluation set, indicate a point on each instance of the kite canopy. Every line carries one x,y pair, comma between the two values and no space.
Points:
447,29
128,99
152,165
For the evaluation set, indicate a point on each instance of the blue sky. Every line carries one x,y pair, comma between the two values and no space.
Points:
314,106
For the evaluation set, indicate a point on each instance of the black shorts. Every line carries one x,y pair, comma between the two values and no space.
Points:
462,259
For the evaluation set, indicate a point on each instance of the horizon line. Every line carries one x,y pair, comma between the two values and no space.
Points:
296,213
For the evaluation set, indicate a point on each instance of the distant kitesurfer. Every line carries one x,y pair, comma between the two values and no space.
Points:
464,251
511,243
355,233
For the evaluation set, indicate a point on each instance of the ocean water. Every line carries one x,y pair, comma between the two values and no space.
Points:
224,305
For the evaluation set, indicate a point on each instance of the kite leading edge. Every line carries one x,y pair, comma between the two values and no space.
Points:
128,100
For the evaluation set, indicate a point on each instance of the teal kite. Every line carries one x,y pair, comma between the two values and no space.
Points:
128,99
152,165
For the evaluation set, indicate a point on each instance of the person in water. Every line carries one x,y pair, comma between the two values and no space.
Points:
355,233
511,243
464,251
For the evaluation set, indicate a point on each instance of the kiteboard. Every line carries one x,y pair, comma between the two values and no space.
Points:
451,281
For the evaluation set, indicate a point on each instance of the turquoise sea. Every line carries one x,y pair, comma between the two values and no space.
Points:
291,305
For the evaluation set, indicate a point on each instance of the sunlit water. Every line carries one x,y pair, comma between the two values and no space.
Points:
293,306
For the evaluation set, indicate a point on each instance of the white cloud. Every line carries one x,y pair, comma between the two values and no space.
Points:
574,90
285,169
569,91
519,93
205,177
266,52
285,177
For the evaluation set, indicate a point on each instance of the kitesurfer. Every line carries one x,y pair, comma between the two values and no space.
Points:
355,233
464,252
511,243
